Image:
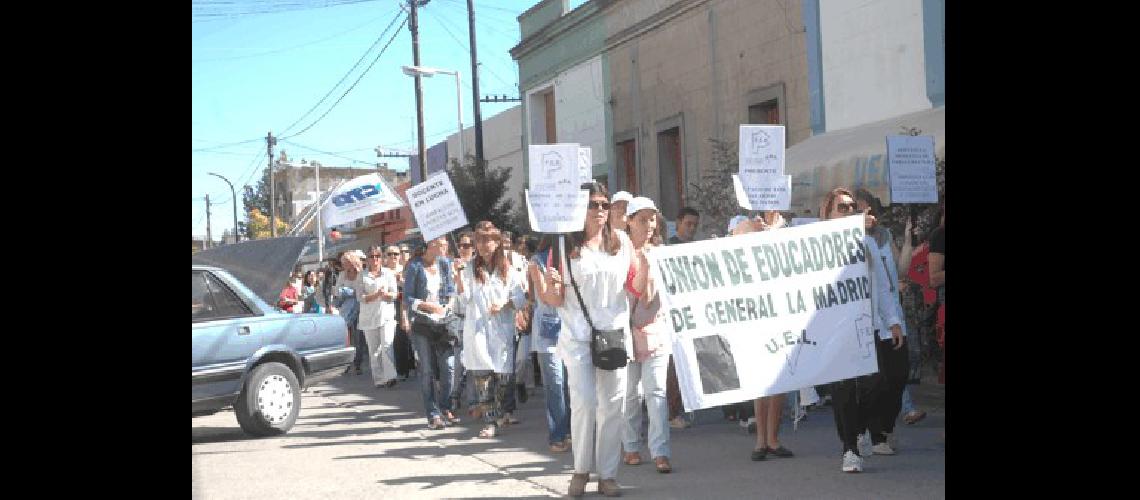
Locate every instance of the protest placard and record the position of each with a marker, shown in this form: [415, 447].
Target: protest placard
[557, 211]
[554, 167]
[761, 151]
[764, 192]
[770, 312]
[436, 206]
[359, 198]
[910, 160]
[585, 164]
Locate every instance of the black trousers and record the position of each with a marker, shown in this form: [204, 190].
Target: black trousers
[894, 368]
[852, 401]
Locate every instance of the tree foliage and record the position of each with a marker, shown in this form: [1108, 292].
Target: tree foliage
[481, 190]
[714, 196]
[258, 225]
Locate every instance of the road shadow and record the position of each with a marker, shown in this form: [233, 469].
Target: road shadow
[204, 435]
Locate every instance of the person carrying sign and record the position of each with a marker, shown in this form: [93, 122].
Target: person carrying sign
[599, 266]
[767, 408]
[854, 400]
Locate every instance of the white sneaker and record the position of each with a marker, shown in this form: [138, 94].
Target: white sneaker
[883, 449]
[852, 462]
[864, 443]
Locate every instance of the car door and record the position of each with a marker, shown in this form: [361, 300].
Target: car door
[226, 332]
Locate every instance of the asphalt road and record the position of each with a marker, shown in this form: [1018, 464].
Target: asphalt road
[354, 441]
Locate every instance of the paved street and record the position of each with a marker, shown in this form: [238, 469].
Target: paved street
[354, 441]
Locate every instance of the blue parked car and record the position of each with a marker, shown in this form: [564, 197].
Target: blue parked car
[248, 355]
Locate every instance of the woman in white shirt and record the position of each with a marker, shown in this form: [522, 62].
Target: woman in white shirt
[600, 259]
[491, 293]
[378, 317]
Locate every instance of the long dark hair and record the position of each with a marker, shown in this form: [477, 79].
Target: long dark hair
[483, 231]
[549, 242]
[610, 240]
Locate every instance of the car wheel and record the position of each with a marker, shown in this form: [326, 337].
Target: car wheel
[270, 401]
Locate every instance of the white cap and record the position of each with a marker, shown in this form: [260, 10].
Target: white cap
[733, 222]
[639, 203]
[621, 196]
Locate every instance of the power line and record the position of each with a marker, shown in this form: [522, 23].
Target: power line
[223, 146]
[465, 47]
[293, 47]
[390, 40]
[203, 15]
[302, 146]
[346, 75]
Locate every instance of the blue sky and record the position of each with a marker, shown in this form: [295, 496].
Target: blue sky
[256, 72]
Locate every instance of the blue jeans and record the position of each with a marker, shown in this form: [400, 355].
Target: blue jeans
[650, 374]
[435, 402]
[907, 403]
[557, 397]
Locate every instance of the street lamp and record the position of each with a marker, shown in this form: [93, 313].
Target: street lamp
[428, 72]
[234, 200]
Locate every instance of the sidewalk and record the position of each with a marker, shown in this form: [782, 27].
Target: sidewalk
[710, 459]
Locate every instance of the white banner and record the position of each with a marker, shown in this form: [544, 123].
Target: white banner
[359, 198]
[554, 167]
[767, 313]
[910, 161]
[436, 206]
[557, 211]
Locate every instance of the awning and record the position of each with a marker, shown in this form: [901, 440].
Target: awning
[855, 157]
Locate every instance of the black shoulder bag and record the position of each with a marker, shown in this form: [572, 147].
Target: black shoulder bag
[607, 347]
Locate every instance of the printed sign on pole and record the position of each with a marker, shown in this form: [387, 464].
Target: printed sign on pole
[764, 193]
[554, 167]
[585, 164]
[436, 206]
[557, 211]
[761, 151]
[769, 312]
[910, 161]
[359, 198]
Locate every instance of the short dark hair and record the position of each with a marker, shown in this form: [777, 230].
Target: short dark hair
[688, 211]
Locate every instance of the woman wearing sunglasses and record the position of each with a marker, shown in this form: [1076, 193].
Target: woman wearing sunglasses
[378, 316]
[600, 263]
[855, 400]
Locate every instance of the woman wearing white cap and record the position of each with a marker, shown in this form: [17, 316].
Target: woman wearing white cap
[619, 202]
[650, 343]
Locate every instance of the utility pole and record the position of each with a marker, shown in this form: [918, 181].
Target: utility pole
[269, 143]
[475, 88]
[414, 26]
[320, 223]
[209, 237]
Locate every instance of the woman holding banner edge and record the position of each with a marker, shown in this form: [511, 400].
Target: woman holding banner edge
[854, 400]
[600, 261]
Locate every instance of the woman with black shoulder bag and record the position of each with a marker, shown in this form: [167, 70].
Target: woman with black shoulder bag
[595, 342]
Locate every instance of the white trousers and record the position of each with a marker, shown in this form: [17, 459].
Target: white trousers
[650, 375]
[381, 356]
[596, 400]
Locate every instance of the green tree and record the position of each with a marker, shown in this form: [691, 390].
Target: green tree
[714, 194]
[480, 190]
[257, 197]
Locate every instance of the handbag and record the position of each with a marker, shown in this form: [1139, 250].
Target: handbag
[607, 347]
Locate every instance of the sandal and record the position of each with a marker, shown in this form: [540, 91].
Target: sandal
[632, 458]
[451, 417]
[560, 447]
[662, 464]
[489, 431]
[914, 416]
[436, 424]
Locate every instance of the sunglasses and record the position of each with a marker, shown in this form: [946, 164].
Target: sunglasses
[466, 245]
[375, 256]
[846, 207]
[393, 254]
[604, 205]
